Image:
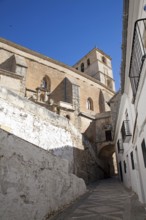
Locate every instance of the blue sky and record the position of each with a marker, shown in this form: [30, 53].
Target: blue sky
[65, 30]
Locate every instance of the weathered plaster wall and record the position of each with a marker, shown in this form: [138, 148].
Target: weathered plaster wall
[47, 130]
[38, 126]
[33, 182]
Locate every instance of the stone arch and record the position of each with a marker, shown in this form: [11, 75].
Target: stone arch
[105, 153]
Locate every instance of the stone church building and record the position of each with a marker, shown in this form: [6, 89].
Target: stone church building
[80, 93]
[37, 93]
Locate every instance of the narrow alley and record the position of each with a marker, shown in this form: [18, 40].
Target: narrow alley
[105, 200]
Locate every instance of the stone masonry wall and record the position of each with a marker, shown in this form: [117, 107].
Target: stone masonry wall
[33, 182]
[39, 66]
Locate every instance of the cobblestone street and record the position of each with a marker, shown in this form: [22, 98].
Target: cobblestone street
[106, 200]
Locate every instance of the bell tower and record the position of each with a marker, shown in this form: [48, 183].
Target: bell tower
[97, 65]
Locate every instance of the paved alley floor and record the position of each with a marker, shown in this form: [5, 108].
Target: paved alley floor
[106, 200]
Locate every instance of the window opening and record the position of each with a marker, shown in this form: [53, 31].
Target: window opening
[88, 62]
[132, 160]
[82, 67]
[89, 104]
[144, 151]
[45, 83]
[108, 135]
[125, 167]
[104, 59]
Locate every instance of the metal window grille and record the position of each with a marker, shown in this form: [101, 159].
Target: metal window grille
[138, 54]
[125, 130]
[120, 146]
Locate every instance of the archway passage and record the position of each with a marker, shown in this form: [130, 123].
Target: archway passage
[106, 153]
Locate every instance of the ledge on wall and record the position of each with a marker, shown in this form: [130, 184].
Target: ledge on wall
[87, 115]
[66, 105]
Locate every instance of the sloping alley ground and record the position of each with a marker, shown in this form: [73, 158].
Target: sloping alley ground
[106, 200]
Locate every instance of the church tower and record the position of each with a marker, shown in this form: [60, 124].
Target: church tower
[97, 65]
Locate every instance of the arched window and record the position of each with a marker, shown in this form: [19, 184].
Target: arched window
[89, 104]
[88, 62]
[46, 83]
[82, 67]
[104, 60]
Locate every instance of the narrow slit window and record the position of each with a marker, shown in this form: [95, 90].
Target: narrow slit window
[88, 62]
[144, 151]
[82, 67]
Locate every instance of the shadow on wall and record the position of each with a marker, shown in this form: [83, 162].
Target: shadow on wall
[9, 64]
[85, 163]
[82, 163]
[63, 92]
[103, 100]
[90, 132]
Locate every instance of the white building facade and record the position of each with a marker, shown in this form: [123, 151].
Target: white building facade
[130, 132]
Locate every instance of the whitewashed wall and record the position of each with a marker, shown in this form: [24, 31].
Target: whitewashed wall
[38, 126]
[33, 182]
[140, 133]
[134, 178]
